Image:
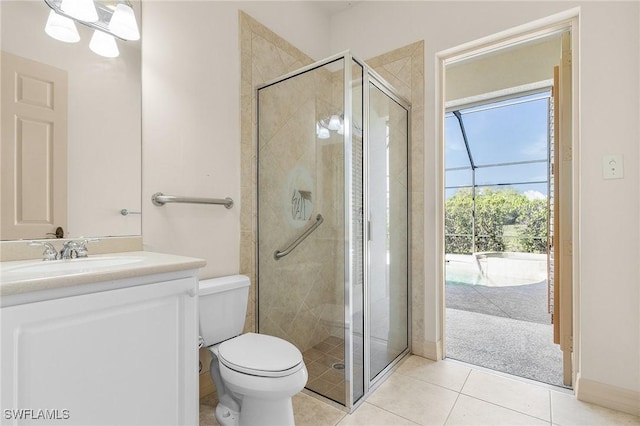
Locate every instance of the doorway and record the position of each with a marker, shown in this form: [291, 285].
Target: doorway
[496, 231]
[501, 204]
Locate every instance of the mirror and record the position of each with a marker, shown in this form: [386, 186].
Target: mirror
[103, 125]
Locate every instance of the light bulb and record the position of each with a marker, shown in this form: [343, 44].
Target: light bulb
[61, 28]
[123, 23]
[323, 133]
[334, 123]
[83, 10]
[104, 45]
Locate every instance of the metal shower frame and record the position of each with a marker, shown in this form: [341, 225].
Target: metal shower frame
[369, 77]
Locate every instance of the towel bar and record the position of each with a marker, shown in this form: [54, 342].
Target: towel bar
[159, 199]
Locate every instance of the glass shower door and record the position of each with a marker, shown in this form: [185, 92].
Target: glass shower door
[302, 221]
[332, 237]
[388, 125]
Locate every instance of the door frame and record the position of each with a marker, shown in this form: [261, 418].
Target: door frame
[514, 36]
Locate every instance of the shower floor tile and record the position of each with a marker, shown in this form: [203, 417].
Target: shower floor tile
[323, 363]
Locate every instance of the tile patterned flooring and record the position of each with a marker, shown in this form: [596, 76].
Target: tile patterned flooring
[424, 392]
[321, 360]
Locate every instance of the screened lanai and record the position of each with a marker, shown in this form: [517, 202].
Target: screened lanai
[496, 226]
[492, 147]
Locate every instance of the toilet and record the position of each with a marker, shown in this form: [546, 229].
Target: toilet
[255, 374]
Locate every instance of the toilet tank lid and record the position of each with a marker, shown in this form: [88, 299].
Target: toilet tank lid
[217, 285]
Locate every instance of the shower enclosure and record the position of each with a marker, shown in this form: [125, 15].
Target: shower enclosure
[333, 223]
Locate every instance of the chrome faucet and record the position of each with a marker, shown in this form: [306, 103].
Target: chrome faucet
[50, 252]
[73, 249]
[70, 249]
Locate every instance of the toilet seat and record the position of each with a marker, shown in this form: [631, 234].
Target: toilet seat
[260, 355]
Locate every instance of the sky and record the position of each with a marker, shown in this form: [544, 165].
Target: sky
[508, 132]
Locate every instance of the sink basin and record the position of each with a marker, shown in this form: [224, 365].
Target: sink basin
[66, 267]
[35, 280]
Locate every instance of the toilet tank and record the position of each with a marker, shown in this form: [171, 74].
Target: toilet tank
[223, 306]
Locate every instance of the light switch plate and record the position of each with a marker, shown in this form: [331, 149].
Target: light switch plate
[612, 167]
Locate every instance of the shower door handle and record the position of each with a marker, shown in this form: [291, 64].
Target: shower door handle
[280, 254]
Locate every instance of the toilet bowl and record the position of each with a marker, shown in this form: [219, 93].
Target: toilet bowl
[255, 374]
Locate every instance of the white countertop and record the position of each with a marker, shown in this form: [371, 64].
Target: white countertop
[26, 276]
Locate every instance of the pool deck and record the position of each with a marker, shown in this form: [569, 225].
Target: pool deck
[507, 329]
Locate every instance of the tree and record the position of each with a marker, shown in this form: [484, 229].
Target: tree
[535, 226]
[458, 222]
[495, 209]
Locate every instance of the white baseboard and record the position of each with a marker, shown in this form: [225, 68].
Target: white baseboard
[608, 396]
[432, 350]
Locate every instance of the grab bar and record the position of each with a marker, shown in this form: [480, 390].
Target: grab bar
[159, 199]
[277, 255]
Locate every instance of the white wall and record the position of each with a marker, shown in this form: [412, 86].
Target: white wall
[609, 211]
[191, 118]
[499, 73]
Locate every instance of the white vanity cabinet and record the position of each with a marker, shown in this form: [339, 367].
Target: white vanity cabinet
[123, 356]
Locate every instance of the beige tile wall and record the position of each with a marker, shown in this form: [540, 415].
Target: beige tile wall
[298, 291]
[266, 56]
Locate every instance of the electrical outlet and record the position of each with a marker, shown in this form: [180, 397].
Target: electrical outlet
[612, 167]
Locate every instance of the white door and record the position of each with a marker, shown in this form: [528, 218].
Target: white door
[561, 242]
[34, 148]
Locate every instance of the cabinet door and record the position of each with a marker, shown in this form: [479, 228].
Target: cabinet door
[118, 357]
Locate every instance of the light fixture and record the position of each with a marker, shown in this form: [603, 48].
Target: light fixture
[110, 18]
[334, 123]
[61, 28]
[82, 10]
[123, 23]
[104, 44]
[322, 132]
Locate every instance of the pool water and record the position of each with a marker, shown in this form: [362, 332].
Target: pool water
[498, 272]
